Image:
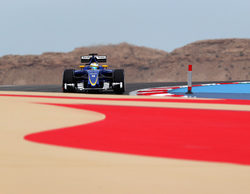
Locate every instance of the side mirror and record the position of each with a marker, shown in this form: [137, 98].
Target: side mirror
[82, 66]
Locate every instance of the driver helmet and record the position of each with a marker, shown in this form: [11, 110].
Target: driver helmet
[94, 65]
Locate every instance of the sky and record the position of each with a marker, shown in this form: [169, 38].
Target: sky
[37, 26]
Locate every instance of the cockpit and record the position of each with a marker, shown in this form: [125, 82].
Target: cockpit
[94, 65]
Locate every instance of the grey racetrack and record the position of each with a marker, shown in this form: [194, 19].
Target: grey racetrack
[129, 88]
[58, 88]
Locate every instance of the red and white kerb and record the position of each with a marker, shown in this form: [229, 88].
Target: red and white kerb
[166, 91]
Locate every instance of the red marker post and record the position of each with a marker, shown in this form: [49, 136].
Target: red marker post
[189, 80]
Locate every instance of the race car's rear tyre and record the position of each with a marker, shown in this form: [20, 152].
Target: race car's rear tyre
[68, 78]
[119, 78]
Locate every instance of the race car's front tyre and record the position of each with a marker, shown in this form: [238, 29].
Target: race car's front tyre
[68, 80]
[119, 87]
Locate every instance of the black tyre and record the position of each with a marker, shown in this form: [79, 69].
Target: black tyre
[118, 78]
[68, 78]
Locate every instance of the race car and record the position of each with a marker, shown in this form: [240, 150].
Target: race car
[92, 76]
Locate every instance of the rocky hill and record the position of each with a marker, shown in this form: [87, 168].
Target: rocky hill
[212, 60]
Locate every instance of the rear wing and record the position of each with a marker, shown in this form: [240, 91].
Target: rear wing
[93, 58]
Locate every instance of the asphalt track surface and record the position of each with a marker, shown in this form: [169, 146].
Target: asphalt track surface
[57, 88]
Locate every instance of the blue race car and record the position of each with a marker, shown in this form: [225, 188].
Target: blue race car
[93, 77]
